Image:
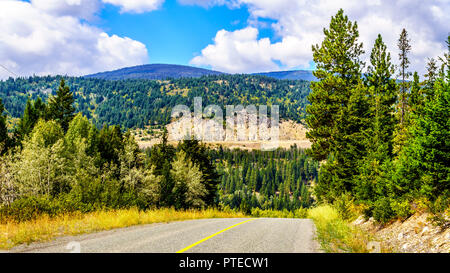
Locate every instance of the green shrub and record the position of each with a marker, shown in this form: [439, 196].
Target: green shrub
[438, 211]
[299, 213]
[382, 211]
[343, 205]
[402, 208]
[28, 208]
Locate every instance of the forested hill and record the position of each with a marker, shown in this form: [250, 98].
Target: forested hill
[171, 71]
[136, 103]
[154, 72]
[306, 75]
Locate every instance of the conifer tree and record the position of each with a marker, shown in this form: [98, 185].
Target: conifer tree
[4, 137]
[404, 47]
[383, 95]
[338, 70]
[338, 113]
[60, 107]
[379, 135]
[32, 113]
[424, 166]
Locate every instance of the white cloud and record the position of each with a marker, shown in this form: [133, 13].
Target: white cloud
[136, 6]
[240, 51]
[299, 24]
[84, 9]
[35, 41]
[209, 3]
[248, 52]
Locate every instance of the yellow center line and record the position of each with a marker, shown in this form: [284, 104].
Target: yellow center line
[209, 237]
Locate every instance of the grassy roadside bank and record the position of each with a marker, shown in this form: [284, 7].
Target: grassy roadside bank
[337, 235]
[333, 233]
[45, 228]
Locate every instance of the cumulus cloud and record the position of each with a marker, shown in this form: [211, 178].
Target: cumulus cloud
[136, 6]
[84, 9]
[249, 53]
[299, 24]
[36, 40]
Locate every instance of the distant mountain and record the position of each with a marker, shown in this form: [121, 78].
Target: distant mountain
[290, 75]
[154, 72]
[165, 71]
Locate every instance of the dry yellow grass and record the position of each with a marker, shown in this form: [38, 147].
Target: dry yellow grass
[335, 234]
[45, 228]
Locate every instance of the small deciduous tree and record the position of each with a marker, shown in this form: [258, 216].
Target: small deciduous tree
[189, 191]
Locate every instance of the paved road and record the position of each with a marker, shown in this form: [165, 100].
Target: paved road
[238, 235]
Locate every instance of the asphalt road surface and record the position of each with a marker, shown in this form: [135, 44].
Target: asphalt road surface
[225, 235]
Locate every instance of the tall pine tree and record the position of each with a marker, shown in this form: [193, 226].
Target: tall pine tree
[379, 136]
[60, 107]
[338, 110]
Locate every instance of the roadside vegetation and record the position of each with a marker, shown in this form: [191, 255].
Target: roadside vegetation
[45, 227]
[382, 143]
[336, 234]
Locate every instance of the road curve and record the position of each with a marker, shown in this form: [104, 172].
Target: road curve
[223, 235]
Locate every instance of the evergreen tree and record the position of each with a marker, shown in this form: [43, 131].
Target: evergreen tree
[338, 112]
[430, 76]
[383, 96]
[404, 47]
[379, 136]
[424, 166]
[60, 107]
[338, 70]
[4, 137]
[161, 159]
[32, 113]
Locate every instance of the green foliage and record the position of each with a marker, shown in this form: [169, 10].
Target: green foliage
[298, 213]
[338, 114]
[439, 208]
[343, 205]
[137, 103]
[269, 180]
[381, 159]
[29, 207]
[198, 154]
[189, 188]
[382, 210]
[34, 110]
[5, 141]
[60, 107]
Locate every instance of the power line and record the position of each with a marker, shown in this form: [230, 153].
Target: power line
[4, 67]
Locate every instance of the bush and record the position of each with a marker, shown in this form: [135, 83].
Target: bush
[402, 208]
[336, 234]
[30, 207]
[299, 213]
[382, 211]
[344, 206]
[439, 209]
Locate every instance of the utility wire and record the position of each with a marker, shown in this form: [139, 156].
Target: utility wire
[4, 67]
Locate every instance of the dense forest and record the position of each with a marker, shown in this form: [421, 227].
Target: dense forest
[268, 180]
[57, 161]
[137, 103]
[384, 143]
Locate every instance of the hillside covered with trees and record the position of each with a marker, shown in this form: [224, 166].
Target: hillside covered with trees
[137, 103]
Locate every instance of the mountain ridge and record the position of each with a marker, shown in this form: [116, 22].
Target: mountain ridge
[175, 71]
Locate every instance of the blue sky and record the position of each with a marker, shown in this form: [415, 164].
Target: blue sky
[79, 37]
[174, 33]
